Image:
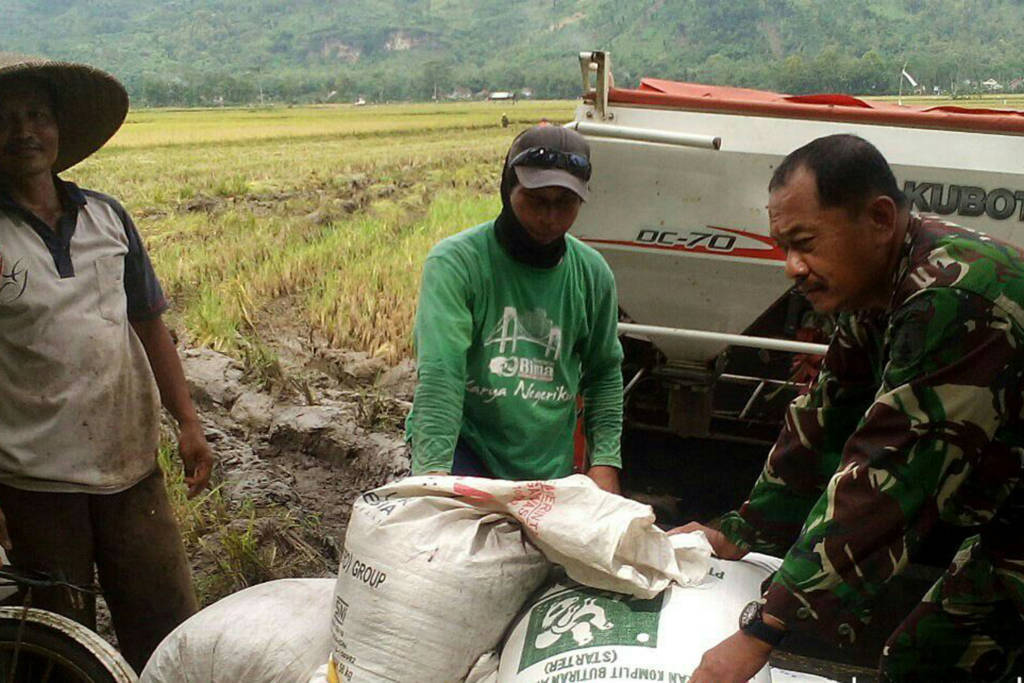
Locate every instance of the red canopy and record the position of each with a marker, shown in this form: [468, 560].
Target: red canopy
[655, 92]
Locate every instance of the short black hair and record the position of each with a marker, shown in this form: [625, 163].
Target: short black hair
[848, 171]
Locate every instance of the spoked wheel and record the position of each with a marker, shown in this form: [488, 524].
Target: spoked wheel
[44, 647]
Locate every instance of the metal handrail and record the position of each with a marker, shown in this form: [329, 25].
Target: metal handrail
[632, 133]
[769, 343]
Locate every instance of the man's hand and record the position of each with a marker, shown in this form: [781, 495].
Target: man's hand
[196, 456]
[606, 477]
[720, 545]
[736, 659]
[195, 453]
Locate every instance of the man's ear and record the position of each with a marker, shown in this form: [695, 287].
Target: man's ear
[883, 214]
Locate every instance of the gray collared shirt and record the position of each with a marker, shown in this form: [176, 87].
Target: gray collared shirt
[80, 409]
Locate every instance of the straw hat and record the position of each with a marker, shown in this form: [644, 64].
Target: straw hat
[91, 104]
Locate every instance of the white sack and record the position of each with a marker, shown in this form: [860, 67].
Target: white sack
[320, 675]
[787, 676]
[577, 633]
[601, 539]
[435, 568]
[276, 632]
[426, 585]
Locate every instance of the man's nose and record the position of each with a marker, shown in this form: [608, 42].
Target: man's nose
[18, 125]
[551, 216]
[795, 266]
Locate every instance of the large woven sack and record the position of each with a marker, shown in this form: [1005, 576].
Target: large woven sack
[435, 568]
[577, 633]
[275, 632]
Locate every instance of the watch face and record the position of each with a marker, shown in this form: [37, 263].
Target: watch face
[750, 613]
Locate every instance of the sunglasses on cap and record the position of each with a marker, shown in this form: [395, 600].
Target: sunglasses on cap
[543, 157]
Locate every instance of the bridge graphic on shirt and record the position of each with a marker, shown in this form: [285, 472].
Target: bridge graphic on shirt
[533, 327]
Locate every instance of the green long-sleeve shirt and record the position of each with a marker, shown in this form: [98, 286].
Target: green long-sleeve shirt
[916, 416]
[504, 348]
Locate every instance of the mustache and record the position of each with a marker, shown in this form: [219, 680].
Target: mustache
[803, 286]
[17, 145]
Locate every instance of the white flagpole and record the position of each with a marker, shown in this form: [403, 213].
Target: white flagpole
[899, 98]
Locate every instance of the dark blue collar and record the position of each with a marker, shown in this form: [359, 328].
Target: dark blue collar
[69, 193]
[58, 243]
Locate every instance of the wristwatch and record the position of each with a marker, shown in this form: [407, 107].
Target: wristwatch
[752, 624]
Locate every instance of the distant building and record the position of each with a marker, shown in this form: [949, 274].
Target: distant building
[460, 93]
[992, 85]
[502, 96]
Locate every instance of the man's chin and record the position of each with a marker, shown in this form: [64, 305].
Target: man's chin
[14, 169]
[546, 238]
[820, 301]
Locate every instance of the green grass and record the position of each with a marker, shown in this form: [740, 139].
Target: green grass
[224, 126]
[233, 545]
[1013, 101]
[322, 214]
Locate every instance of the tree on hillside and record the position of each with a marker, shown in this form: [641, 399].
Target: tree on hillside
[189, 52]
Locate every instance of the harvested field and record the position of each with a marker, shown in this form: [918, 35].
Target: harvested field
[329, 208]
[289, 242]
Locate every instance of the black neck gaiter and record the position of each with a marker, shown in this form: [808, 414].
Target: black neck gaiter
[514, 239]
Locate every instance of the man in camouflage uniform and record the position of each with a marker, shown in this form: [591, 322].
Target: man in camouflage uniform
[916, 417]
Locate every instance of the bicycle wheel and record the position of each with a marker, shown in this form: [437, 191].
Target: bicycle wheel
[49, 648]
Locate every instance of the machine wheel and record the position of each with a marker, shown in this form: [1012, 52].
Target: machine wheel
[47, 648]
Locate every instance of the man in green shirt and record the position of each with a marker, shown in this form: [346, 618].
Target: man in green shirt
[516, 319]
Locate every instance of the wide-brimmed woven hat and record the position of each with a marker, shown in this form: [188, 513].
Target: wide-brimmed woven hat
[91, 104]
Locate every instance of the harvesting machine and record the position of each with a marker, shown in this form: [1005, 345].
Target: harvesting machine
[713, 332]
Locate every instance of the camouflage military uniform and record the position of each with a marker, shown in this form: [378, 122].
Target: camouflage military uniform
[915, 417]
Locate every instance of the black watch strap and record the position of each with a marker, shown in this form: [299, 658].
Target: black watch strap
[752, 624]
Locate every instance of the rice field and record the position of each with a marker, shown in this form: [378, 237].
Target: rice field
[1013, 101]
[314, 218]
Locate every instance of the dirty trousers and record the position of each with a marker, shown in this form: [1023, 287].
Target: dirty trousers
[134, 542]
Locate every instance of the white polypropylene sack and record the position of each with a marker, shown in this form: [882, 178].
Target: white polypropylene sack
[435, 568]
[787, 676]
[425, 586]
[276, 632]
[577, 633]
[320, 675]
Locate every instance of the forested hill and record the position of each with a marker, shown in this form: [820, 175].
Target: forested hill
[206, 51]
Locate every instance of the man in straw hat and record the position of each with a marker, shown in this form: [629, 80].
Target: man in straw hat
[85, 361]
[515, 319]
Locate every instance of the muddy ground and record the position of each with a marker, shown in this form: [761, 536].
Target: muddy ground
[300, 441]
[303, 442]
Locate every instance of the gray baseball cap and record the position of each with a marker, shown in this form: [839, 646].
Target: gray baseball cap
[551, 156]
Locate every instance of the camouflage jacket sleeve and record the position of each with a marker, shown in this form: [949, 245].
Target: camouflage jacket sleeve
[924, 450]
[807, 452]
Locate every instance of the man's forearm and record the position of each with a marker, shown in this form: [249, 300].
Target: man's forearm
[167, 370]
[436, 417]
[602, 416]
